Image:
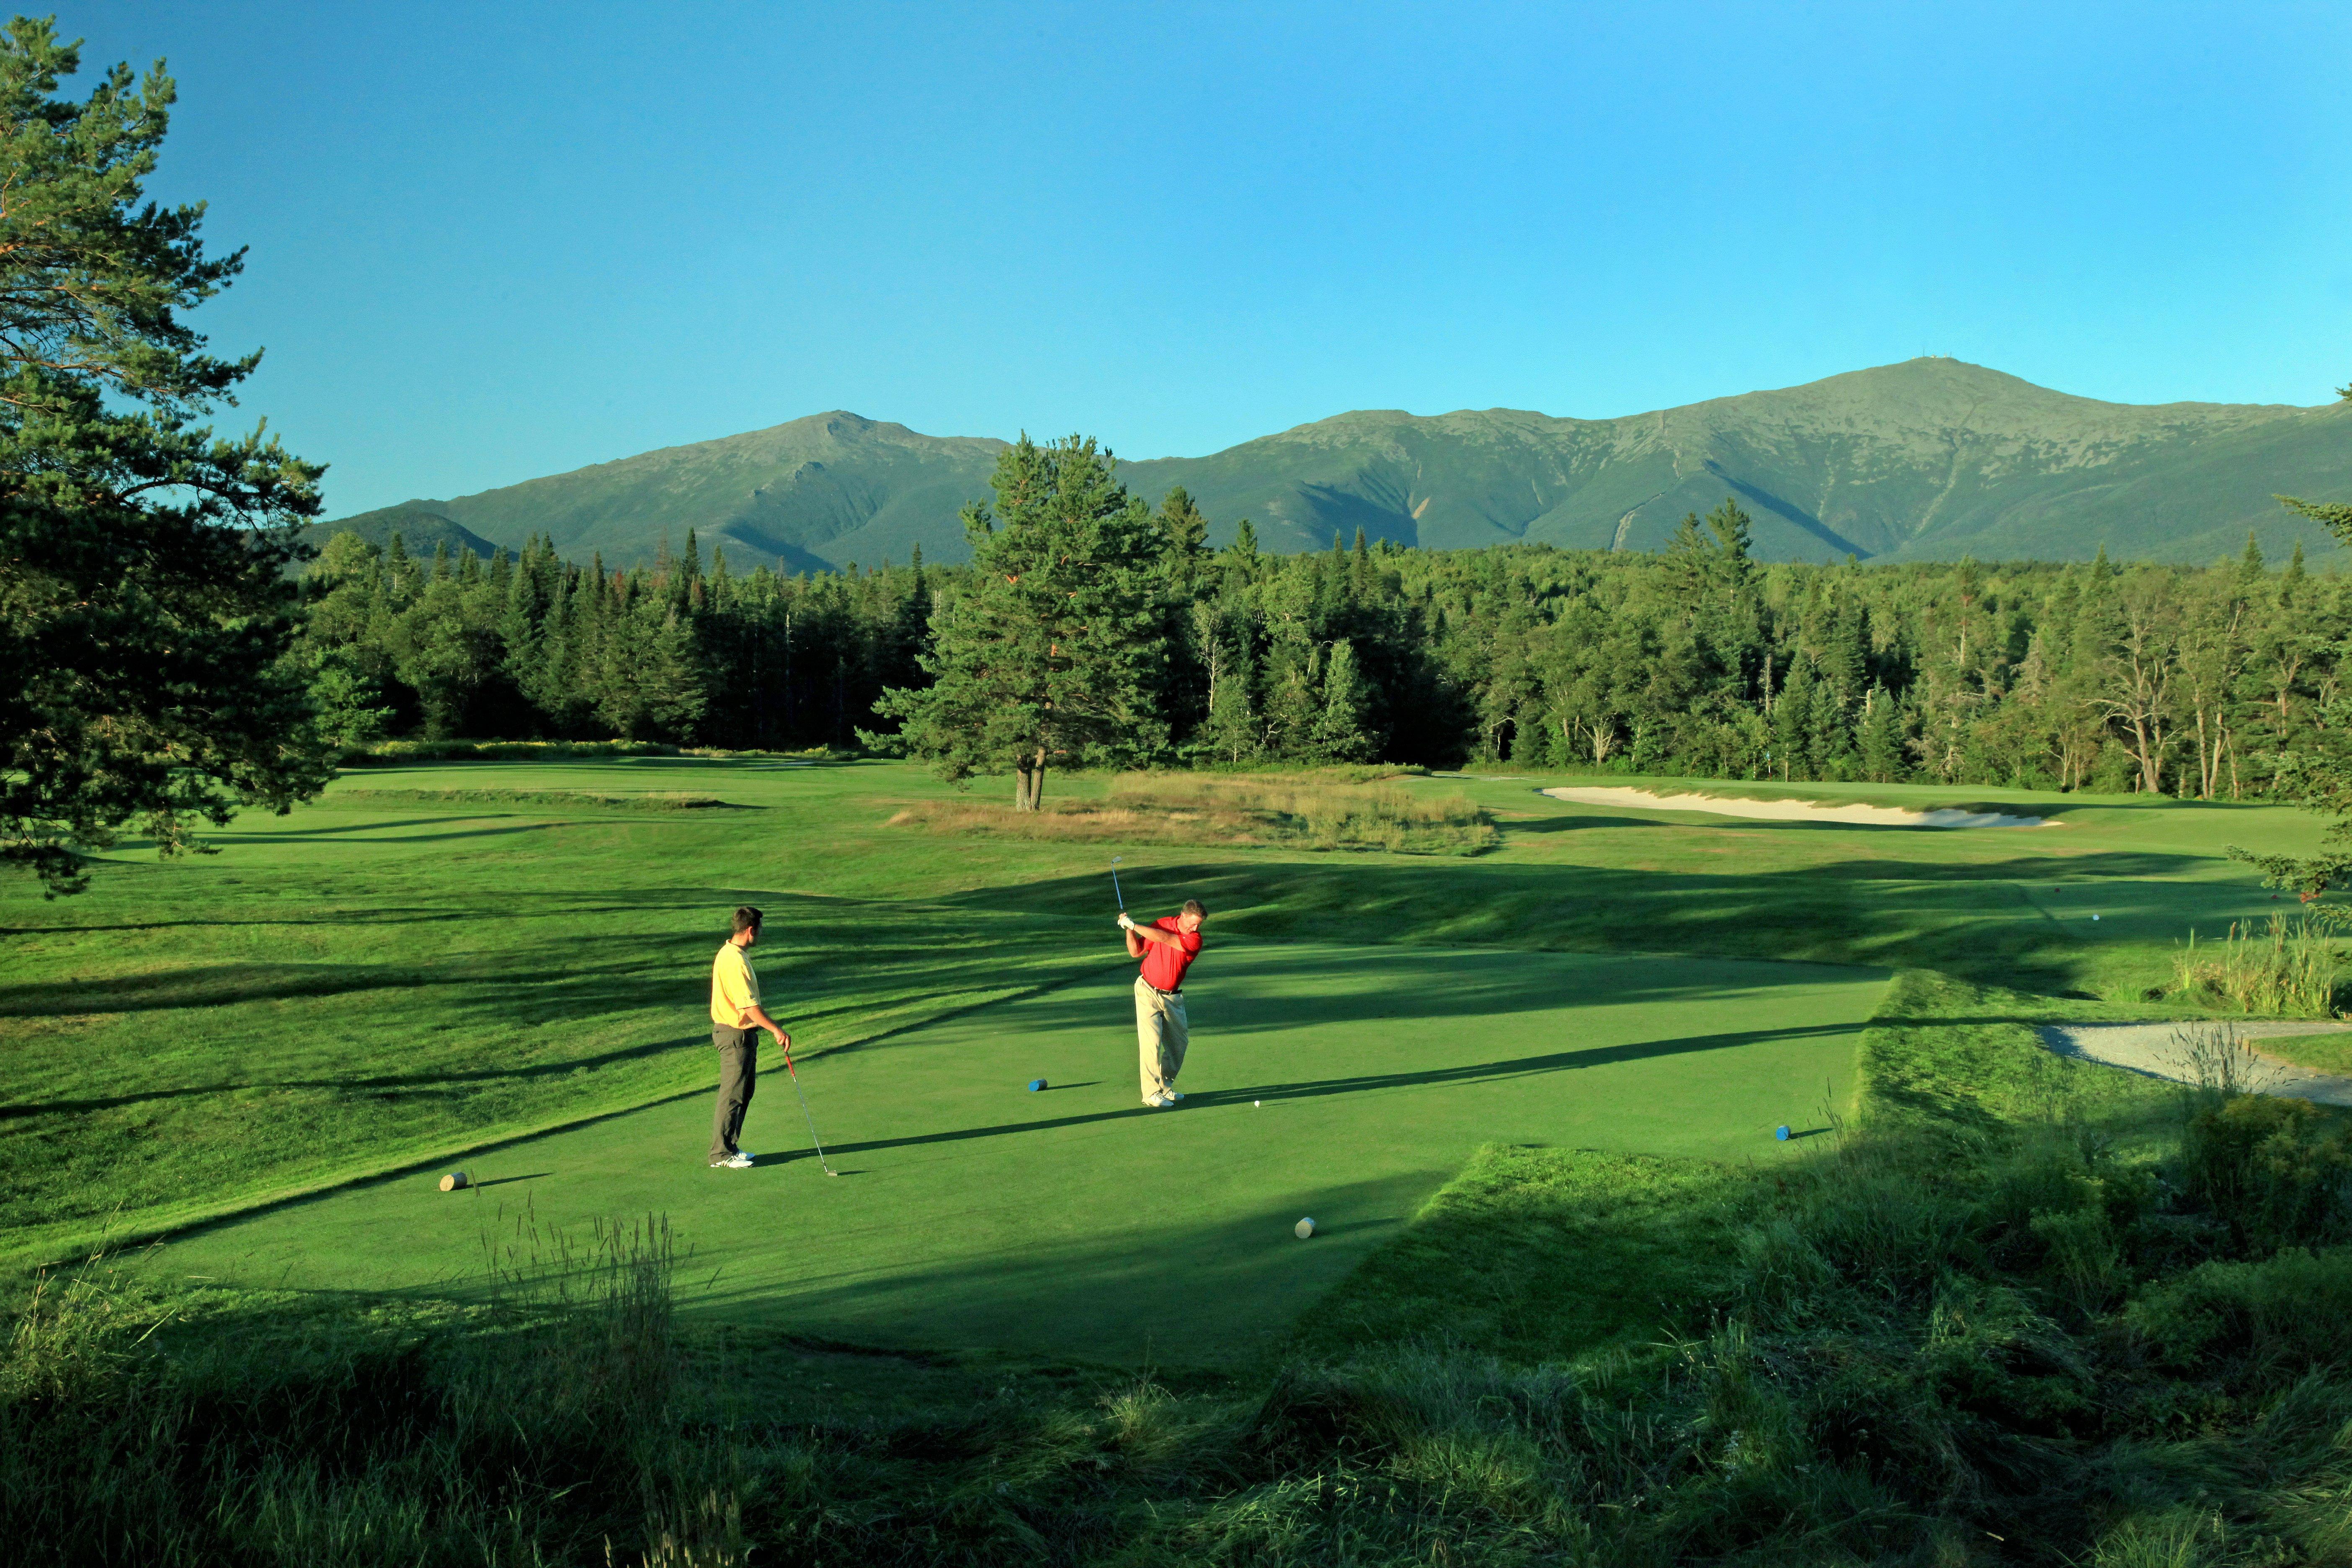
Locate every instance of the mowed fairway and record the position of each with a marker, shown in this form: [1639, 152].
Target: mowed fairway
[1344, 1082]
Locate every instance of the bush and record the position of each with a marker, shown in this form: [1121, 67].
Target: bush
[2290, 1309]
[2279, 1170]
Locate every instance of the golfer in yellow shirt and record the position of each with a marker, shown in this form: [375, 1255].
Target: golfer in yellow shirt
[736, 1020]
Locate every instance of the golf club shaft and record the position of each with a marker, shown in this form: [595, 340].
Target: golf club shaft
[803, 1095]
[1114, 888]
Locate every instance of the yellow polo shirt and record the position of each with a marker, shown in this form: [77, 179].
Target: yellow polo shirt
[734, 988]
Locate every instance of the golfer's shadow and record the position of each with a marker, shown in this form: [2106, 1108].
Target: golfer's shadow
[1432, 1077]
[805, 1157]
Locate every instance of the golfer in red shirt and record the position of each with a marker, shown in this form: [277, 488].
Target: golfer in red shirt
[1167, 948]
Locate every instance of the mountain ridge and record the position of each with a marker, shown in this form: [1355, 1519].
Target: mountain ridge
[1925, 459]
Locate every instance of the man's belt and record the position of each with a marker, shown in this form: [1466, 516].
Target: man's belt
[1157, 992]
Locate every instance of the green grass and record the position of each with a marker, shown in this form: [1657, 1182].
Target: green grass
[2320, 1053]
[1534, 1254]
[1341, 1083]
[365, 984]
[1570, 1301]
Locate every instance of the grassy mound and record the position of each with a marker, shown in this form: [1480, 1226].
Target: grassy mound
[651, 800]
[1233, 810]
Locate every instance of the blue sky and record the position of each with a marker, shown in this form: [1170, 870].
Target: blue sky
[494, 242]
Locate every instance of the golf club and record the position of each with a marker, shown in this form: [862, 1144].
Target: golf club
[795, 1076]
[1114, 884]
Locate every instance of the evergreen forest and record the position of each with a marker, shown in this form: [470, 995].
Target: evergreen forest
[1697, 660]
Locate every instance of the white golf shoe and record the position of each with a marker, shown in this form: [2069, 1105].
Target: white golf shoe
[739, 1160]
[1158, 1101]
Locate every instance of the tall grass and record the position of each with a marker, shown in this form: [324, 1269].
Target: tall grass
[545, 1432]
[2013, 1349]
[1293, 811]
[2282, 968]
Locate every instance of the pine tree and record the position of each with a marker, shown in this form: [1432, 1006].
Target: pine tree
[1794, 723]
[1230, 731]
[1053, 650]
[1883, 756]
[1338, 733]
[146, 613]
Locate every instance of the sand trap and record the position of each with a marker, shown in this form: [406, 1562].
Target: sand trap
[1797, 810]
[2155, 1049]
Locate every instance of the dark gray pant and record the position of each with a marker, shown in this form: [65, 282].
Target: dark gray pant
[739, 1074]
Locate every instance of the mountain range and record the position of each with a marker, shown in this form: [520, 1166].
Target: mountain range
[1930, 459]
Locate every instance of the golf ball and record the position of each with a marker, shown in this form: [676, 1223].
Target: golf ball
[1303, 1229]
[1254, 1103]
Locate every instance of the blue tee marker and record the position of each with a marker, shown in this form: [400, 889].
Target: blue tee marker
[1782, 1134]
[1035, 1083]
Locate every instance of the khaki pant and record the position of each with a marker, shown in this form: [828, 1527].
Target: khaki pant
[1160, 1036]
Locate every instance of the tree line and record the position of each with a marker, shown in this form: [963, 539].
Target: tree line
[160, 667]
[1094, 630]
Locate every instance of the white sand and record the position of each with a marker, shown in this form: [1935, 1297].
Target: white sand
[1796, 810]
[2153, 1049]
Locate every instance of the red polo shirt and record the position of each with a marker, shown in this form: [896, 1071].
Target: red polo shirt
[1164, 966]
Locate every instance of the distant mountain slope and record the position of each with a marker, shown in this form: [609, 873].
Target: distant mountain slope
[817, 492]
[420, 529]
[1930, 459]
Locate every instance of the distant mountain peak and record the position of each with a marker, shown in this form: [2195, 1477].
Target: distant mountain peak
[1928, 458]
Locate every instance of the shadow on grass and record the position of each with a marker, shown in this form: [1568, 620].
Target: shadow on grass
[383, 1086]
[1366, 1083]
[1966, 917]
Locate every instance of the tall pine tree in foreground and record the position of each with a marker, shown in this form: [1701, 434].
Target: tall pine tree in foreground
[145, 613]
[1053, 651]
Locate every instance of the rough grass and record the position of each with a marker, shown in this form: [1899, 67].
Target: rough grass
[1535, 1254]
[2282, 968]
[1236, 810]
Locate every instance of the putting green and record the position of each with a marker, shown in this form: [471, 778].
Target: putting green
[1342, 1082]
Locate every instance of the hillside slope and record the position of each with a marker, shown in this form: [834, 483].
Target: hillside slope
[816, 493]
[1930, 459]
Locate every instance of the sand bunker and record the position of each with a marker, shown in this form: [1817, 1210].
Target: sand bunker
[2158, 1050]
[1797, 810]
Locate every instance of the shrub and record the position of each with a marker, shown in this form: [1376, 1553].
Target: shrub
[2290, 1308]
[2279, 1170]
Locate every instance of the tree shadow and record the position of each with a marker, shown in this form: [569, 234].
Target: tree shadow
[1540, 1065]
